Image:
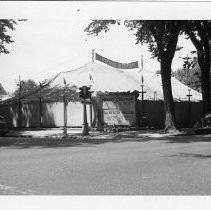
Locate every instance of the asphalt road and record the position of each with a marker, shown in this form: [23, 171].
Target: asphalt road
[166, 166]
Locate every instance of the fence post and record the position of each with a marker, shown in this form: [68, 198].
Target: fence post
[65, 117]
[155, 95]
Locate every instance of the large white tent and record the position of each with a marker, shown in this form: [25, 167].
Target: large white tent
[105, 78]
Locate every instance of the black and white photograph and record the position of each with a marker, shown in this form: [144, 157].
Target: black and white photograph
[105, 98]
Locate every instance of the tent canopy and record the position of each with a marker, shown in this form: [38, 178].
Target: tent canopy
[104, 78]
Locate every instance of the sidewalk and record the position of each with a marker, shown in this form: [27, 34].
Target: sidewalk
[44, 133]
[55, 138]
[75, 133]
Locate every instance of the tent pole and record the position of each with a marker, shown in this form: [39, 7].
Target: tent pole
[93, 55]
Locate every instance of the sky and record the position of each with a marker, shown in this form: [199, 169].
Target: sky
[53, 40]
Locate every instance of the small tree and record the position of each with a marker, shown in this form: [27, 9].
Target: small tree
[25, 86]
[2, 90]
[190, 74]
[191, 78]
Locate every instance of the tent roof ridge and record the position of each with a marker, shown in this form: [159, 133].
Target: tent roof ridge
[64, 72]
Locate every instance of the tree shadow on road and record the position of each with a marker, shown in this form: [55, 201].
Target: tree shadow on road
[200, 156]
[188, 138]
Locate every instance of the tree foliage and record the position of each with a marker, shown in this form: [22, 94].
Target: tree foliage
[199, 31]
[5, 26]
[191, 78]
[25, 86]
[160, 35]
[190, 74]
[97, 26]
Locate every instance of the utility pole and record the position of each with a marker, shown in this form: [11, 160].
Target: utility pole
[142, 99]
[142, 59]
[65, 110]
[93, 55]
[142, 62]
[189, 107]
[186, 67]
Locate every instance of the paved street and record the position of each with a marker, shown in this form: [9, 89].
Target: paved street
[131, 166]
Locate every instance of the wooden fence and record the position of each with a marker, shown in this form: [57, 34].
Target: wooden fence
[52, 114]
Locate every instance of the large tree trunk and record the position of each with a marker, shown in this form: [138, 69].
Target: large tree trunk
[166, 47]
[170, 122]
[204, 63]
[203, 52]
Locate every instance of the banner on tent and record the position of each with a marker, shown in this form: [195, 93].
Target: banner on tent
[115, 64]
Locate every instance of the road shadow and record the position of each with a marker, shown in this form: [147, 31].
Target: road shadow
[200, 156]
[23, 143]
[188, 138]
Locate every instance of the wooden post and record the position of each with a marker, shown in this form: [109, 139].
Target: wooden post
[65, 117]
[65, 110]
[19, 105]
[142, 101]
[189, 107]
[40, 105]
[142, 97]
[155, 95]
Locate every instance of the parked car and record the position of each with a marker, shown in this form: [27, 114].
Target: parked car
[3, 126]
[203, 126]
[204, 122]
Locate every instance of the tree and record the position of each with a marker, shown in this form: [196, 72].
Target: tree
[25, 86]
[161, 37]
[199, 31]
[5, 25]
[2, 90]
[190, 74]
[190, 77]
